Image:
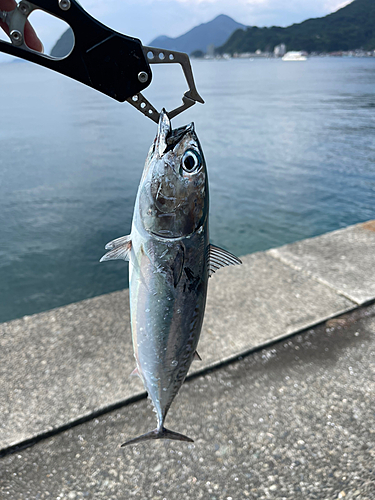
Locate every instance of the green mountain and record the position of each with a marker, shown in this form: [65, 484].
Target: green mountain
[350, 28]
[215, 32]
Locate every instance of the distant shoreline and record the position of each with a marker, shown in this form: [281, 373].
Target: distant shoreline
[271, 55]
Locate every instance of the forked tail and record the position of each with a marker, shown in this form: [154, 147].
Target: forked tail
[161, 433]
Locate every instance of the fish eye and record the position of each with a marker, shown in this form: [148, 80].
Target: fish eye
[191, 161]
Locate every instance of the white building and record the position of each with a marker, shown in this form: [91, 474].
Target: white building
[280, 50]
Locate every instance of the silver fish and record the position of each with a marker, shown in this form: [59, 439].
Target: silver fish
[170, 263]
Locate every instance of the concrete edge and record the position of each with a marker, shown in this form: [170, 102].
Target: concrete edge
[273, 252]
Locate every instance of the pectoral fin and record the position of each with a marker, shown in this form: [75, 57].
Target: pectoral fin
[217, 258]
[118, 242]
[178, 265]
[120, 249]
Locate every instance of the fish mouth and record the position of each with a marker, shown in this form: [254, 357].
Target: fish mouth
[164, 129]
[166, 138]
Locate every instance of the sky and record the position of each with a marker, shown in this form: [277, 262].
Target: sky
[147, 19]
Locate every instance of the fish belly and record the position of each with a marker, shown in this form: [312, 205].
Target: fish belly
[168, 289]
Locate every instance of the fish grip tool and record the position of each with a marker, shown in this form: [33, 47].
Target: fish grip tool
[190, 97]
[112, 63]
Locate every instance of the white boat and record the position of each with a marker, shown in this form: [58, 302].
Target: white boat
[294, 56]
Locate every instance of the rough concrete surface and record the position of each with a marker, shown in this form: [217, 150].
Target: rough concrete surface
[62, 364]
[66, 363]
[293, 421]
[259, 301]
[344, 260]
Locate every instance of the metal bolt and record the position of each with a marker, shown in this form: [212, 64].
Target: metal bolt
[142, 76]
[64, 4]
[24, 7]
[16, 37]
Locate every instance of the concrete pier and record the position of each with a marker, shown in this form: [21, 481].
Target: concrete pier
[74, 362]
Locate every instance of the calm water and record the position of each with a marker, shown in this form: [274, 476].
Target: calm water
[290, 149]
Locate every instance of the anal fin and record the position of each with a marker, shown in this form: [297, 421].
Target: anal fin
[197, 357]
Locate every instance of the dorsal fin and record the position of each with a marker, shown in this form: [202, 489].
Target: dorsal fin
[218, 257]
[120, 249]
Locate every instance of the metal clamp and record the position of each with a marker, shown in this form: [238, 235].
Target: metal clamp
[100, 58]
[16, 20]
[114, 64]
[190, 97]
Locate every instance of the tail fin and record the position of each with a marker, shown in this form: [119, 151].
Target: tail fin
[161, 433]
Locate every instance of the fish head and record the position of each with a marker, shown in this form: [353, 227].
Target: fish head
[173, 194]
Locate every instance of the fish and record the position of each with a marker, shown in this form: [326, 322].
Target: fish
[170, 260]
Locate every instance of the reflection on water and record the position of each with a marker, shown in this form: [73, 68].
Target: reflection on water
[290, 150]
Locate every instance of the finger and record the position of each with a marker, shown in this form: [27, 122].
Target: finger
[31, 38]
[8, 5]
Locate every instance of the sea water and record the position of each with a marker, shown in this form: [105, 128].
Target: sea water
[290, 150]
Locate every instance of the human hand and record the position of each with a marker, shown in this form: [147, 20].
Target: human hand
[31, 38]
